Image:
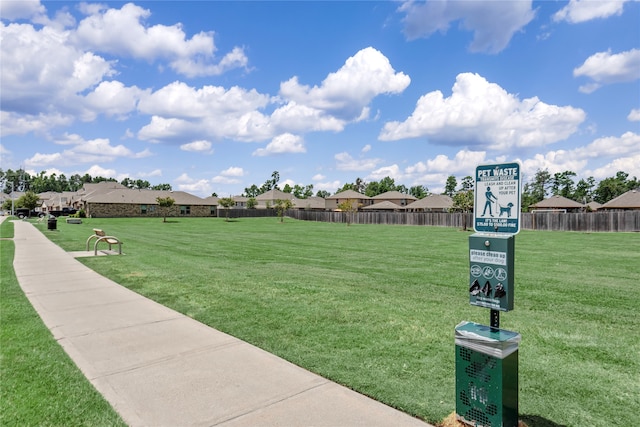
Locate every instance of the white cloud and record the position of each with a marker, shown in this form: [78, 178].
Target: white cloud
[23, 9]
[619, 151]
[122, 32]
[233, 171]
[585, 10]
[97, 170]
[285, 143]
[344, 93]
[330, 186]
[347, 163]
[493, 23]
[181, 111]
[84, 151]
[366, 148]
[201, 146]
[392, 171]
[604, 68]
[318, 177]
[634, 115]
[479, 112]
[113, 98]
[12, 123]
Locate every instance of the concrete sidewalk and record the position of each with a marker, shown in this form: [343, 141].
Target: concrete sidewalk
[159, 368]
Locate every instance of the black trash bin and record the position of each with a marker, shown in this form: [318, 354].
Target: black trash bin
[52, 223]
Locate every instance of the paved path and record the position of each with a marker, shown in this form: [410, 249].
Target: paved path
[159, 368]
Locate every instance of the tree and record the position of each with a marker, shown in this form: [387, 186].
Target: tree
[227, 203]
[450, 186]
[584, 190]
[612, 187]
[281, 206]
[562, 184]
[288, 189]
[28, 200]
[467, 183]
[536, 190]
[165, 203]
[349, 207]
[463, 202]
[252, 203]
[252, 191]
[323, 193]
[419, 191]
[163, 187]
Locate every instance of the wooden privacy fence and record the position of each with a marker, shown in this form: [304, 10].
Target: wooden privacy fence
[555, 221]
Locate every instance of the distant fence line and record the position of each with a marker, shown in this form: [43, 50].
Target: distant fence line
[610, 221]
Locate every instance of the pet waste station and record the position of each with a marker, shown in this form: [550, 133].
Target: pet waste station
[486, 356]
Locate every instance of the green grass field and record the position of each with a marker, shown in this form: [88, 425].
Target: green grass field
[375, 307]
[39, 384]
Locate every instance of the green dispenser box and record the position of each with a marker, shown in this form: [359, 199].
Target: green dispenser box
[486, 375]
[491, 259]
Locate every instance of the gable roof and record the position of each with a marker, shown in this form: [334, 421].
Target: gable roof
[386, 205]
[628, 200]
[394, 195]
[557, 202]
[313, 202]
[275, 194]
[146, 197]
[348, 194]
[433, 201]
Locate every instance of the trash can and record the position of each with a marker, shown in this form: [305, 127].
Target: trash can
[486, 375]
[52, 223]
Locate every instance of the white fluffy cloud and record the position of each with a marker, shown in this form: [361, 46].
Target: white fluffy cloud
[285, 143]
[634, 115]
[606, 68]
[343, 96]
[620, 152]
[83, 151]
[480, 112]
[493, 22]
[585, 10]
[122, 32]
[347, 163]
[346, 92]
[201, 146]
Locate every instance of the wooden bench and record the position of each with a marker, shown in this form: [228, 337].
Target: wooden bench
[101, 236]
[74, 221]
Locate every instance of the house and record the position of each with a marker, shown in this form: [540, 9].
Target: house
[396, 197]
[359, 200]
[269, 198]
[310, 203]
[142, 203]
[557, 203]
[593, 206]
[627, 201]
[431, 203]
[385, 205]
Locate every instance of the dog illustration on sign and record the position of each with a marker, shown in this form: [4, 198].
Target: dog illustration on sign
[506, 209]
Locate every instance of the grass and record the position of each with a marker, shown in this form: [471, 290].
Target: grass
[374, 307]
[40, 385]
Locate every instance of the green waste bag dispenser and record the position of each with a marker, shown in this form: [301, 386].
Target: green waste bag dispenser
[491, 259]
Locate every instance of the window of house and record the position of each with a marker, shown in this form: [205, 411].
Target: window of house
[143, 209]
[185, 210]
[213, 211]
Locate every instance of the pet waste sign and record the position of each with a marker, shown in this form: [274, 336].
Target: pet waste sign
[496, 207]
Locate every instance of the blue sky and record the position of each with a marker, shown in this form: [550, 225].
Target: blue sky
[215, 96]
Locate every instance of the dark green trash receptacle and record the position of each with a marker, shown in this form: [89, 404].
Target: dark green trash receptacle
[486, 375]
[52, 223]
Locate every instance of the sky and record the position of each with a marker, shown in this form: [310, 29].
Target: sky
[213, 96]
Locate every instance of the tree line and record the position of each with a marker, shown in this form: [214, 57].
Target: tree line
[541, 186]
[22, 181]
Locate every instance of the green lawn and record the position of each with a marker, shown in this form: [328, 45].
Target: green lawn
[39, 384]
[375, 307]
